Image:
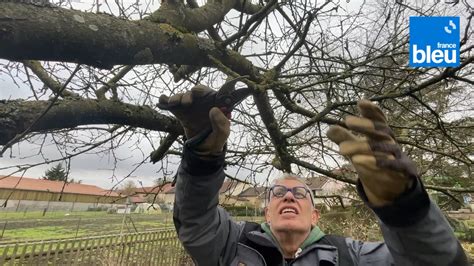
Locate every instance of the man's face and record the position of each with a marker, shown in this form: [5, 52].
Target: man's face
[289, 213]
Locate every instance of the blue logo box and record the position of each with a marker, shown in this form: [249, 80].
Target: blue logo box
[434, 41]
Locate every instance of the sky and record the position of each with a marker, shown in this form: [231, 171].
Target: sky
[89, 168]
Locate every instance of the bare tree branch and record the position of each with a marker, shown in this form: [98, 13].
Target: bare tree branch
[17, 116]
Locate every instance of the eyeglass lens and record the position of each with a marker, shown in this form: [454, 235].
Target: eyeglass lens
[298, 192]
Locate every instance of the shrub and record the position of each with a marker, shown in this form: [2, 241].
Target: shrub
[242, 210]
[357, 222]
[111, 210]
[97, 209]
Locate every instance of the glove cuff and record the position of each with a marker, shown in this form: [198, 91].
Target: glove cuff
[409, 208]
[200, 165]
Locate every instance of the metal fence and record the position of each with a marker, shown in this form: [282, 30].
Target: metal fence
[159, 247]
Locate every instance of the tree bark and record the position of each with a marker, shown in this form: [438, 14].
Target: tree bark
[197, 19]
[16, 116]
[29, 32]
[271, 124]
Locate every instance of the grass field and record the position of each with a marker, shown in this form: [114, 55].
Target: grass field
[35, 226]
[48, 215]
[19, 226]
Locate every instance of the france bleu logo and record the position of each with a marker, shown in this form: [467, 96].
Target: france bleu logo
[434, 41]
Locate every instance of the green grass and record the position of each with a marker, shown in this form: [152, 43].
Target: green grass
[44, 232]
[57, 226]
[470, 223]
[5, 216]
[153, 224]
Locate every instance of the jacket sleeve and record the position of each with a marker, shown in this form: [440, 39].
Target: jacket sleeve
[415, 233]
[205, 230]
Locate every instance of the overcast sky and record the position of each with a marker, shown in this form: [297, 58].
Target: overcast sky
[90, 168]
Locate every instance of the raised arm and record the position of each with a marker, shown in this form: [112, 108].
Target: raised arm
[206, 231]
[414, 229]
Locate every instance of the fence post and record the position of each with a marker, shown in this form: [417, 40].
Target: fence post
[77, 227]
[18, 205]
[4, 226]
[13, 255]
[4, 255]
[31, 255]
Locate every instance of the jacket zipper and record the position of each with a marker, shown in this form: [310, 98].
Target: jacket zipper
[260, 255]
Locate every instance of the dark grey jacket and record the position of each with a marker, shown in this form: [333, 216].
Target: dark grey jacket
[415, 231]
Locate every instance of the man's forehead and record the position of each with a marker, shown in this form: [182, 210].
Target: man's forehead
[290, 183]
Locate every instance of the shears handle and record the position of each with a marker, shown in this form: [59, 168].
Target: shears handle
[199, 138]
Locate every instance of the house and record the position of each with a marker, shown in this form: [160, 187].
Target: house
[160, 194]
[147, 194]
[326, 190]
[136, 199]
[158, 191]
[23, 193]
[254, 197]
[230, 191]
[168, 199]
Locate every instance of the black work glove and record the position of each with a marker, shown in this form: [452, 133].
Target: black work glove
[384, 170]
[195, 112]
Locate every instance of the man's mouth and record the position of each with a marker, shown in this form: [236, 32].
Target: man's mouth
[288, 210]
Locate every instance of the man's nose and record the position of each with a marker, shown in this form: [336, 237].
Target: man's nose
[289, 196]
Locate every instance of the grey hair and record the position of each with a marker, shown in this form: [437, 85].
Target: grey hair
[289, 176]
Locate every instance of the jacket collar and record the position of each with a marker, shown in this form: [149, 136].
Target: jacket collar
[314, 236]
[264, 238]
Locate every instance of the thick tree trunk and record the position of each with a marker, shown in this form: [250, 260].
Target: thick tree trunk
[29, 32]
[17, 116]
[56, 34]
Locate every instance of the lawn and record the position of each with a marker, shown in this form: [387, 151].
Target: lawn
[43, 232]
[5, 216]
[16, 227]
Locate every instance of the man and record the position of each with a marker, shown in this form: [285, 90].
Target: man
[415, 231]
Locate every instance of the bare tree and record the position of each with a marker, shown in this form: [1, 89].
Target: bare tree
[308, 62]
[128, 188]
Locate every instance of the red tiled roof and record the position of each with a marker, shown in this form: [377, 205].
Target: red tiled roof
[25, 183]
[137, 199]
[316, 182]
[228, 186]
[253, 192]
[172, 190]
[154, 189]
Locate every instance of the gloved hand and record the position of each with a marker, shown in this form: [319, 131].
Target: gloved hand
[384, 170]
[196, 114]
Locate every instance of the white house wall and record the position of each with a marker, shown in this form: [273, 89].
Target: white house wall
[30, 205]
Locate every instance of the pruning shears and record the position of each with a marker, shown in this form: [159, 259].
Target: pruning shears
[226, 99]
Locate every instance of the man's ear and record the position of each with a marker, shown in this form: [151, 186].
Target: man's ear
[267, 215]
[314, 217]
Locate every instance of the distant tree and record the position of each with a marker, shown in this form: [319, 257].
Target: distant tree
[59, 173]
[128, 188]
[56, 173]
[75, 181]
[159, 181]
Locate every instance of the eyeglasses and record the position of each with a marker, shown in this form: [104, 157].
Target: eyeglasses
[280, 191]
